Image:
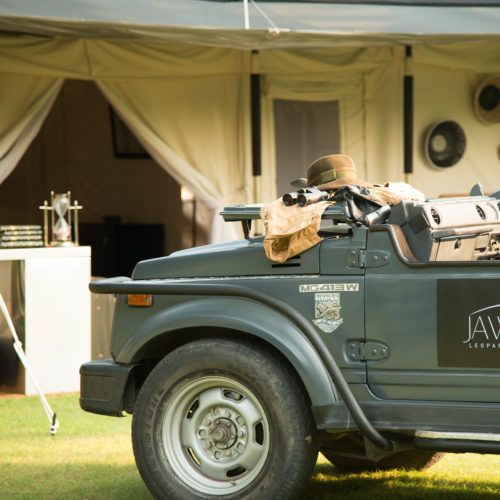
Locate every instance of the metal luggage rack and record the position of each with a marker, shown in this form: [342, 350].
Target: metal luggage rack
[247, 213]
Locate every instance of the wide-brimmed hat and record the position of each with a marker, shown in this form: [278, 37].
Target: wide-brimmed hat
[331, 172]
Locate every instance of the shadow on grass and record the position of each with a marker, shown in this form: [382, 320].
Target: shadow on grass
[95, 481]
[328, 483]
[70, 481]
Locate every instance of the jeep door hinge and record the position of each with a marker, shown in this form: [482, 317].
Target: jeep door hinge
[366, 351]
[367, 258]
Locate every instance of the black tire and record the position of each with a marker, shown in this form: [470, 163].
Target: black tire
[221, 418]
[353, 444]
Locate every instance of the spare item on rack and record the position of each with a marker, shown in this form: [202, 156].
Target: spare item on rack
[21, 236]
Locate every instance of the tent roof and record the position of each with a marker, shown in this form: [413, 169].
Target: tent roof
[279, 24]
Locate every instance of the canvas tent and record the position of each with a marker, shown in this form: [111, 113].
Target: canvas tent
[179, 73]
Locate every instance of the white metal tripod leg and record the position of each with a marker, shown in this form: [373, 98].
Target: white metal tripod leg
[18, 347]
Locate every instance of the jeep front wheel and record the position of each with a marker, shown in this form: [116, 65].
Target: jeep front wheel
[220, 418]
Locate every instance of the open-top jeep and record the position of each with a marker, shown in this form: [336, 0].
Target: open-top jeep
[379, 346]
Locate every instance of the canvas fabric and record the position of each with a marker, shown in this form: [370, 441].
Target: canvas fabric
[290, 230]
[394, 192]
[25, 102]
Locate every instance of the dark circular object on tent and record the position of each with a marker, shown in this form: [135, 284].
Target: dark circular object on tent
[444, 144]
[487, 100]
[489, 97]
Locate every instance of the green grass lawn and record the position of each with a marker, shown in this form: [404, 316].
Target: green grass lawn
[91, 457]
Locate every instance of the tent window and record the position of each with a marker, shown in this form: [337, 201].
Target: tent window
[304, 131]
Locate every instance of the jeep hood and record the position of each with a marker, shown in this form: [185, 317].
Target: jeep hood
[236, 258]
[210, 260]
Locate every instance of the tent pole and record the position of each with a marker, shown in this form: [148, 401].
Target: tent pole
[247, 17]
[256, 127]
[408, 115]
[255, 118]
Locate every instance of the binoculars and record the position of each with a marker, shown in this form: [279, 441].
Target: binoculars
[304, 197]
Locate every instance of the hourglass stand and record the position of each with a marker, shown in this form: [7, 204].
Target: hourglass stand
[64, 232]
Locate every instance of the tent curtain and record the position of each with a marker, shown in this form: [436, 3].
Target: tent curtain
[25, 102]
[188, 105]
[196, 129]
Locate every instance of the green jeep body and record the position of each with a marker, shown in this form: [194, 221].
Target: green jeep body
[392, 332]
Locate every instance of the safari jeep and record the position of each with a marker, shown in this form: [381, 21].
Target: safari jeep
[379, 346]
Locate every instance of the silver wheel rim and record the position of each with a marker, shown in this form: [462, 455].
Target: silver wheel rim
[215, 435]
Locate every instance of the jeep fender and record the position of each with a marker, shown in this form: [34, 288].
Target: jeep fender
[239, 315]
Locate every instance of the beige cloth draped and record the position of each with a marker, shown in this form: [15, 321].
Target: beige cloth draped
[25, 102]
[291, 230]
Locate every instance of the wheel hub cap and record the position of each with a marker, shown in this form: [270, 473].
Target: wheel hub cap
[222, 433]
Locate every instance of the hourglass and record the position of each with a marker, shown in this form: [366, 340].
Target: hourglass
[61, 228]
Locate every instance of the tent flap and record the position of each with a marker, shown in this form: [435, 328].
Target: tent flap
[202, 144]
[25, 102]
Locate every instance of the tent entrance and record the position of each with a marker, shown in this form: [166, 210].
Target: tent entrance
[132, 208]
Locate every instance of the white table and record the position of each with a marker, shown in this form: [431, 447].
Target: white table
[57, 336]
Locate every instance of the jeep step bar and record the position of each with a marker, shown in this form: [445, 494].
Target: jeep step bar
[123, 285]
[469, 442]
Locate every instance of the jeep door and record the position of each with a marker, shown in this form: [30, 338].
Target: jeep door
[333, 301]
[440, 325]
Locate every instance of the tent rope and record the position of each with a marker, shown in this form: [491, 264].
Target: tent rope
[272, 25]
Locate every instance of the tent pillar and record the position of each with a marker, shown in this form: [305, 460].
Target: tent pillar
[256, 127]
[408, 114]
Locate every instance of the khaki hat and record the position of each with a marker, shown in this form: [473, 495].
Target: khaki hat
[332, 172]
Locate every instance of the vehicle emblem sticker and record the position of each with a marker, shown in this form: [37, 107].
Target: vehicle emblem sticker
[327, 311]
